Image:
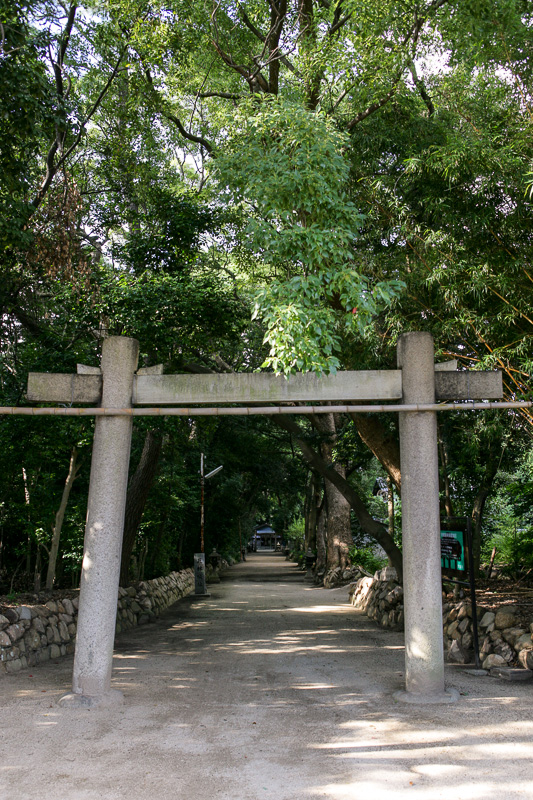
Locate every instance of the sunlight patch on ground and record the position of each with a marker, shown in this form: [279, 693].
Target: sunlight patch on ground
[395, 742]
[312, 686]
[390, 733]
[497, 731]
[407, 784]
[437, 770]
[342, 609]
[182, 625]
[524, 724]
[21, 693]
[297, 635]
[375, 749]
[514, 750]
[250, 649]
[143, 654]
[501, 701]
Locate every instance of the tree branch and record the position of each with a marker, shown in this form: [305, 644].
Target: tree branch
[250, 25]
[187, 134]
[65, 38]
[51, 168]
[381, 443]
[373, 107]
[419, 84]
[253, 78]
[223, 95]
[412, 34]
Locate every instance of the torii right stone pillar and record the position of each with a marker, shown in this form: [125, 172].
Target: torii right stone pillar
[424, 652]
[102, 550]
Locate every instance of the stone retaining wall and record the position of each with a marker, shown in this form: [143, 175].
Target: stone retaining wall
[33, 633]
[505, 636]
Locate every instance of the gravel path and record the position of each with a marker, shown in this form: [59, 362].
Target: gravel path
[270, 688]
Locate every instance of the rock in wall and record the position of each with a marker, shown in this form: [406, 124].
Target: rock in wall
[505, 637]
[34, 633]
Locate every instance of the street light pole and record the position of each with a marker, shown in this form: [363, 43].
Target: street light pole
[202, 481]
[200, 587]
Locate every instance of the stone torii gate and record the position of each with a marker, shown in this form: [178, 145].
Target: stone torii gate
[123, 392]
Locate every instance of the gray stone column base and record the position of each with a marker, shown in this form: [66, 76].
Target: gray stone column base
[448, 696]
[73, 700]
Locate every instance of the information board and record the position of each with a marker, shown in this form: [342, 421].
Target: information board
[452, 550]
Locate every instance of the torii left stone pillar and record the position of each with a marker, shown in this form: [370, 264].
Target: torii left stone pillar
[103, 531]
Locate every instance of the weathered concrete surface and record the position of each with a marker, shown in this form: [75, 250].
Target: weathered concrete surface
[266, 387]
[104, 527]
[268, 689]
[151, 387]
[49, 387]
[421, 522]
[468, 385]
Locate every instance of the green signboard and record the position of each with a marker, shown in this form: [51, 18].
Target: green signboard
[452, 550]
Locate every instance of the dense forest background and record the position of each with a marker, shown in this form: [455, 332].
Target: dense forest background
[279, 185]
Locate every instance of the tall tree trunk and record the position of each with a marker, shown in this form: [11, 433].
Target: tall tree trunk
[307, 511]
[491, 470]
[136, 497]
[321, 551]
[156, 545]
[448, 505]
[390, 505]
[27, 504]
[369, 525]
[56, 532]
[381, 442]
[37, 571]
[339, 535]
[142, 561]
[477, 518]
[313, 502]
[390, 510]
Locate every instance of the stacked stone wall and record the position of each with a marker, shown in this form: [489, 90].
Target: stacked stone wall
[505, 635]
[31, 634]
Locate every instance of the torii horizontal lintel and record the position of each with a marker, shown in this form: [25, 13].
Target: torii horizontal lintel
[266, 387]
[468, 385]
[161, 390]
[49, 387]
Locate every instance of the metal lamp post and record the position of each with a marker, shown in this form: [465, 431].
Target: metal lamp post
[200, 586]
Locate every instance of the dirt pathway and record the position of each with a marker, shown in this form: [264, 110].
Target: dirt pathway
[267, 689]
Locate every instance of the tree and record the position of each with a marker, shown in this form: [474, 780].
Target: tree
[164, 171]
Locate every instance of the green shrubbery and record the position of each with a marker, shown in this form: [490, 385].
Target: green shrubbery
[366, 558]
